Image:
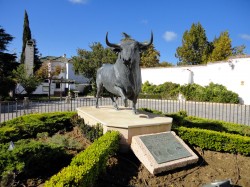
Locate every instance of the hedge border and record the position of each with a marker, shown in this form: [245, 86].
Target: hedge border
[87, 165]
[28, 126]
[210, 134]
[217, 141]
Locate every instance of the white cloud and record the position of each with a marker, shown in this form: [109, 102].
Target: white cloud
[78, 1]
[245, 36]
[169, 36]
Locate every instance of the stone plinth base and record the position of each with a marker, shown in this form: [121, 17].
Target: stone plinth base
[124, 121]
[158, 156]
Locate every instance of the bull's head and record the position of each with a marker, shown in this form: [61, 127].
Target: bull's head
[129, 50]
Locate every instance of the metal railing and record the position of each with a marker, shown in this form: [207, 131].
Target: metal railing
[235, 113]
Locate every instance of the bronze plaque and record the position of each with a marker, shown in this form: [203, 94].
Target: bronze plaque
[165, 147]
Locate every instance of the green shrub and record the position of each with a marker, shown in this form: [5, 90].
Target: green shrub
[28, 126]
[148, 88]
[217, 141]
[30, 158]
[211, 134]
[220, 94]
[65, 141]
[90, 132]
[216, 125]
[87, 165]
[150, 96]
[167, 90]
[181, 119]
[192, 92]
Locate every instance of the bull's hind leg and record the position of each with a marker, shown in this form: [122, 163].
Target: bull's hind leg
[114, 103]
[99, 91]
[134, 105]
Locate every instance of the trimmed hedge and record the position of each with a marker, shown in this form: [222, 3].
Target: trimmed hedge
[30, 158]
[28, 126]
[210, 134]
[87, 165]
[217, 141]
[181, 119]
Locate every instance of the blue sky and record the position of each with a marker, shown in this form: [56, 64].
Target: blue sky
[62, 26]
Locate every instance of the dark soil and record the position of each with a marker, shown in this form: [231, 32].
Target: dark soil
[126, 170]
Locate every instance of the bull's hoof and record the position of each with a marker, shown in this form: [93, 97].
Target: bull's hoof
[96, 106]
[135, 111]
[116, 107]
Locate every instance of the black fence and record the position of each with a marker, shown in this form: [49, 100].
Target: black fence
[235, 113]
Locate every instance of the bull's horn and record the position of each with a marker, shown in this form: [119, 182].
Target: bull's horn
[110, 44]
[149, 43]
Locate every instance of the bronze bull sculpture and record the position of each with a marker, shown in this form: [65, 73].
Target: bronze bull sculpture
[124, 77]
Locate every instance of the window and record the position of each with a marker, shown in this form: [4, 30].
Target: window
[58, 85]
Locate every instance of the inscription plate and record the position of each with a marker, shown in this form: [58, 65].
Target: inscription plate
[165, 147]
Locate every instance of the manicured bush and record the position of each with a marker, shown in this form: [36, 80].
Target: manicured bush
[211, 134]
[87, 165]
[181, 119]
[31, 158]
[217, 141]
[28, 126]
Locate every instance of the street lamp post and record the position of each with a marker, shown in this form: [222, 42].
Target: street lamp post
[61, 89]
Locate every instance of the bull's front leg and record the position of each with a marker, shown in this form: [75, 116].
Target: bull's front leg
[122, 94]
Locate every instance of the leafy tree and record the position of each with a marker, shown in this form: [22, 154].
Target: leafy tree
[239, 50]
[150, 57]
[7, 64]
[87, 62]
[165, 64]
[222, 47]
[44, 72]
[28, 82]
[26, 35]
[195, 47]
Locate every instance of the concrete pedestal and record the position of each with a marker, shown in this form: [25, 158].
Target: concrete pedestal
[124, 121]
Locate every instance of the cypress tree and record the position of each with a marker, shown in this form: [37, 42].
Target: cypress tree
[26, 35]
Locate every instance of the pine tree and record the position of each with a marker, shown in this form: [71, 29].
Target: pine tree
[150, 57]
[195, 47]
[222, 47]
[7, 64]
[26, 35]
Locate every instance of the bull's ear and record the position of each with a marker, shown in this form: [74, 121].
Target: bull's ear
[143, 48]
[116, 50]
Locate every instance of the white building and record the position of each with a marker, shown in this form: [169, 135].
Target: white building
[234, 74]
[67, 80]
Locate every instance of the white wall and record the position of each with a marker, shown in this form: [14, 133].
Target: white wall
[234, 74]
